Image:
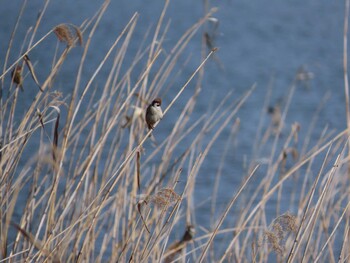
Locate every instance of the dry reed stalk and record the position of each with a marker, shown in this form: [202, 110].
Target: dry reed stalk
[170, 61]
[153, 50]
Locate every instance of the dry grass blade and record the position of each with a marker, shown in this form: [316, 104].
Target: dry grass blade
[31, 70]
[190, 79]
[139, 206]
[1, 150]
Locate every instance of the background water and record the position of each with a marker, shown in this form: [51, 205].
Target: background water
[259, 41]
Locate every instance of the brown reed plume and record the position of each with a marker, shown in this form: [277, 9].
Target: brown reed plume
[163, 198]
[68, 33]
[278, 232]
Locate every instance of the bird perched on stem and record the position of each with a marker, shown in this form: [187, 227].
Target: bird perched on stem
[16, 76]
[154, 113]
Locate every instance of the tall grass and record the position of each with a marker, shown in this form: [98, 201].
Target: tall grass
[78, 183]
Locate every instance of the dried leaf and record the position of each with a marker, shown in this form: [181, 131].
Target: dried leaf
[138, 165]
[55, 137]
[78, 34]
[31, 70]
[36, 243]
[143, 220]
[209, 41]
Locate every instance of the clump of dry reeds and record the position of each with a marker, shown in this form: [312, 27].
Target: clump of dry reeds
[82, 182]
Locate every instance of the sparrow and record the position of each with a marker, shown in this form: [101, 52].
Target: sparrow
[16, 76]
[154, 113]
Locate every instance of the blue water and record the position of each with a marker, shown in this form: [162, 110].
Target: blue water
[260, 41]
